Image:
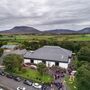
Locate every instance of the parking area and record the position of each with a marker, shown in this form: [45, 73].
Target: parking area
[12, 84]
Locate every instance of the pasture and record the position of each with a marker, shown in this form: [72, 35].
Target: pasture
[21, 38]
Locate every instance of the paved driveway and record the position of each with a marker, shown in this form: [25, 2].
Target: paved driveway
[12, 84]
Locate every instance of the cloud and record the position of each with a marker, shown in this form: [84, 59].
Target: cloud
[45, 14]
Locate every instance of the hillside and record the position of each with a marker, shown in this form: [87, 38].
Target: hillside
[60, 31]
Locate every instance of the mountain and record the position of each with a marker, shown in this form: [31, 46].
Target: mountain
[21, 30]
[67, 31]
[60, 31]
[31, 30]
[85, 30]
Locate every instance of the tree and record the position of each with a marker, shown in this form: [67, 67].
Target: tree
[71, 45]
[1, 35]
[43, 42]
[83, 68]
[83, 77]
[41, 68]
[84, 54]
[1, 52]
[2, 43]
[33, 45]
[13, 62]
[25, 44]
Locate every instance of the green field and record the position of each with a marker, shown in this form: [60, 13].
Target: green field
[84, 37]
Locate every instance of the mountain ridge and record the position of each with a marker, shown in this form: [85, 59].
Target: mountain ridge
[32, 30]
[21, 30]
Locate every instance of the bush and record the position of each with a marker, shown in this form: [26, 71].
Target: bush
[24, 70]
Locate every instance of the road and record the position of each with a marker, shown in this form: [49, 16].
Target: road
[12, 84]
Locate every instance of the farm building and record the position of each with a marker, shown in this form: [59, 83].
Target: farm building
[50, 55]
[8, 48]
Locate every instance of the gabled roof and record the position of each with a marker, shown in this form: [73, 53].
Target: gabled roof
[18, 51]
[51, 53]
[9, 46]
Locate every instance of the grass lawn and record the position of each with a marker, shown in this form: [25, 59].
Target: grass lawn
[70, 84]
[35, 76]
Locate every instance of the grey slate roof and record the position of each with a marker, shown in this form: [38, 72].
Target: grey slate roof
[28, 54]
[51, 53]
[9, 46]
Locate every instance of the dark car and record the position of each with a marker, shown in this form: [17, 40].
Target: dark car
[45, 87]
[27, 82]
[2, 73]
[9, 76]
[17, 79]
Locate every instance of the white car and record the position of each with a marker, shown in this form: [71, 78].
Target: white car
[36, 85]
[33, 66]
[21, 88]
[1, 89]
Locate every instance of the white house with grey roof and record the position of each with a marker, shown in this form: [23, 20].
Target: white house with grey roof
[50, 55]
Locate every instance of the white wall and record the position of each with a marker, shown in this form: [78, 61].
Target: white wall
[69, 61]
[49, 63]
[37, 61]
[27, 61]
[7, 50]
[63, 65]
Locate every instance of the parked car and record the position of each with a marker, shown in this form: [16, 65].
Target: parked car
[27, 82]
[9, 76]
[17, 79]
[36, 85]
[21, 88]
[44, 87]
[2, 73]
[1, 88]
[33, 66]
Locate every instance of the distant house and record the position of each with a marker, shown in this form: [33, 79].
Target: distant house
[18, 51]
[50, 55]
[8, 48]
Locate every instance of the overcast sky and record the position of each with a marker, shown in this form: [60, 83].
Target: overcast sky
[45, 14]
